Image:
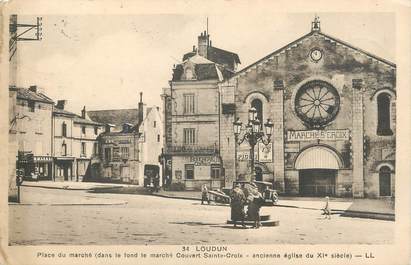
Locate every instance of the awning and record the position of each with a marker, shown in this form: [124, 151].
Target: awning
[318, 157]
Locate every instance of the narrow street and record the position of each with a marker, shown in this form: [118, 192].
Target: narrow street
[104, 219]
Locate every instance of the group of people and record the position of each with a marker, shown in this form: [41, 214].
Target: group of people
[251, 199]
[240, 199]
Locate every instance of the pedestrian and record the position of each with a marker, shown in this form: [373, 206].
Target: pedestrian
[204, 194]
[326, 209]
[156, 182]
[253, 210]
[238, 201]
[167, 181]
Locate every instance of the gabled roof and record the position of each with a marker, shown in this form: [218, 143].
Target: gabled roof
[326, 37]
[197, 59]
[216, 55]
[63, 112]
[78, 119]
[221, 56]
[116, 117]
[24, 93]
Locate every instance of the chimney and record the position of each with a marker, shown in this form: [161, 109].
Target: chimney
[83, 112]
[61, 103]
[33, 89]
[203, 41]
[108, 127]
[140, 109]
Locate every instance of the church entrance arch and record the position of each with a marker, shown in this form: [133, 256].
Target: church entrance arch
[318, 168]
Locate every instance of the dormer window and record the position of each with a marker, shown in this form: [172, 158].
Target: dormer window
[189, 74]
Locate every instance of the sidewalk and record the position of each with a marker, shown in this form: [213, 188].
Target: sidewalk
[73, 185]
[364, 208]
[382, 209]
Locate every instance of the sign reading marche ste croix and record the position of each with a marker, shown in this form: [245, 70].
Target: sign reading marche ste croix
[324, 135]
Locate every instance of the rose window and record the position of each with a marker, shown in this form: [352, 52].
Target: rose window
[317, 103]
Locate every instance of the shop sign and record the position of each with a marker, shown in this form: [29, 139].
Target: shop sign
[203, 160]
[265, 152]
[245, 155]
[43, 159]
[324, 135]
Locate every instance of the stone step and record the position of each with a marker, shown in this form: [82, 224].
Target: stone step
[263, 223]
[263, 217]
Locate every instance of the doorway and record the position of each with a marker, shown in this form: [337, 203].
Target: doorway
[258, 174]
[317, 182]
[385, 181]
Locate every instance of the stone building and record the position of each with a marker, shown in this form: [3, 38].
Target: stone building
[333, 107]
[31, 125]
[132, 141]
[74, 143]
[119, 155]
[191, 115]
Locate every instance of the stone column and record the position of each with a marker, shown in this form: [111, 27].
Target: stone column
[357, 139]
[278, 134]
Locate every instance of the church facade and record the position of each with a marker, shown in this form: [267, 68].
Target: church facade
[333, 109]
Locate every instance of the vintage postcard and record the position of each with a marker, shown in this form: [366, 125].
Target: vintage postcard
[222, 132]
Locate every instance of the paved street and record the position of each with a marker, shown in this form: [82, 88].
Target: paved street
[140, 219]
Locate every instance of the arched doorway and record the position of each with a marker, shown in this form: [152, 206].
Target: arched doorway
[317, 167]
[385, 181]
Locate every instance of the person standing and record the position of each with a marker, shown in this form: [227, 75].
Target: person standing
[204, 194]
[253, 210]
[326, 209]
[238, 201]
[156, 182]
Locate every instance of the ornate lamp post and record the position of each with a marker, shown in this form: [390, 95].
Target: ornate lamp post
[252, 133]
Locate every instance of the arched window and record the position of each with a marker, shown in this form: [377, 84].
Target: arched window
[384, 117]
[385, 181]
[64, 129]
[258, 105]
[64, 149]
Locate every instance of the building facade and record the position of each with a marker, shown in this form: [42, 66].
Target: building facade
[120, 155]
[191, 116]
[131, 143]
[31, 125]
[74, 143]
[333, 109]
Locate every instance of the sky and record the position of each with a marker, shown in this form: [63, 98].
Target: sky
[103, 62]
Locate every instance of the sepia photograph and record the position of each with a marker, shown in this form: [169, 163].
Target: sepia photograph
[202, 131]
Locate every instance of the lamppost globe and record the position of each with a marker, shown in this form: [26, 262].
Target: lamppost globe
[237, 126]
[252, 114]
[268, 128]
[256, 126]
[249, 127]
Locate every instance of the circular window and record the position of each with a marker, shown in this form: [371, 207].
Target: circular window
[317, 103]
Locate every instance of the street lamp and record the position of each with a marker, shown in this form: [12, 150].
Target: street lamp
[253, 133]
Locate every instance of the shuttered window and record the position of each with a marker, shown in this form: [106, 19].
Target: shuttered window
[189, 136]
[189, 107]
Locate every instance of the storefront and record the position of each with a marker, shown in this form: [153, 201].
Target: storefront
[194, 171]
[43, 167]
[63, 169]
